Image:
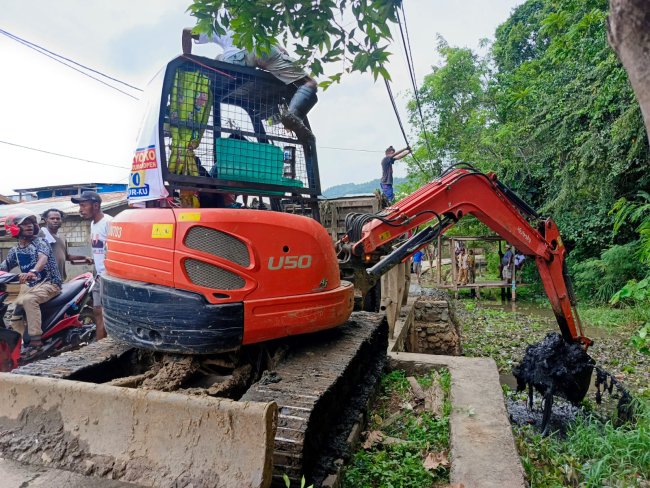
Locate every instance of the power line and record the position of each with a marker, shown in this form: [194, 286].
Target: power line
[55, 57]
[349, 149]
[63, 155]
[411, 69]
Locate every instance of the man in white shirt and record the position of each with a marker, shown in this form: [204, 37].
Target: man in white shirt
[90, 208]
[278, 63]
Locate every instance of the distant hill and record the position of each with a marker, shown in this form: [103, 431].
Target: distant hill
[356, 188]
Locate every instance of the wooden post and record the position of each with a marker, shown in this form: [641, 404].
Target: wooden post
[407, 282]
[513, 280]
[439, 261]
[392, 291]
[454, 271]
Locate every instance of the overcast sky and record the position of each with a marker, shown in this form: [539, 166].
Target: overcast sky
[51, 107]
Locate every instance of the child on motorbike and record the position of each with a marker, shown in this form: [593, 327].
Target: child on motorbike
[39, 277]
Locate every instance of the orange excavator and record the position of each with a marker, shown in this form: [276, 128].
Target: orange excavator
[226, 278]
[223, 278]
[213, 279]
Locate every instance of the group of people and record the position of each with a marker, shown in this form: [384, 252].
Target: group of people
[42, 253]
[466, 262]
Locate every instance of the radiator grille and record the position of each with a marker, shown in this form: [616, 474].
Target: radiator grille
[210, 276]
[218, 244]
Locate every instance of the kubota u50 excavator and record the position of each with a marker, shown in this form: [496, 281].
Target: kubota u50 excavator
[208, 280]
[201, 281]
[227, 278]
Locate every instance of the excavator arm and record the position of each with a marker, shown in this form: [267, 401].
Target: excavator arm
[459, 192]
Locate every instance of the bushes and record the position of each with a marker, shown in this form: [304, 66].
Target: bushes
[598, 279]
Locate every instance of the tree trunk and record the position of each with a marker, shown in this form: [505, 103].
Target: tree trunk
[628, 32]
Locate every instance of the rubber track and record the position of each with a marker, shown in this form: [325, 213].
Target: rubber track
[72, 363]
[316, 383]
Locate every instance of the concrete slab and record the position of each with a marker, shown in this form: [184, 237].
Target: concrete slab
[17, 475]
[482, 445]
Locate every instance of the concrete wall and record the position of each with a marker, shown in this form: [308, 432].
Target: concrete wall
[146, 437]
[433, 330]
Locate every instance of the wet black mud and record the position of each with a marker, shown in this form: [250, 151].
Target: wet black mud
[556, 367]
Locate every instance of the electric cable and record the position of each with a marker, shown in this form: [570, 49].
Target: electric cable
[63, 155]
[411, 70]
[55, 57]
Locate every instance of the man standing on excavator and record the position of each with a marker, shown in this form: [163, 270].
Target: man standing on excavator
[387, 170]
[278, 63]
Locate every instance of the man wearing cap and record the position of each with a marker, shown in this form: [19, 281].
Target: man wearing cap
[90, 208]
[386, 182]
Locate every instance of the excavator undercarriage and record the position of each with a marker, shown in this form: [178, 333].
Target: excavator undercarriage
[301, 382]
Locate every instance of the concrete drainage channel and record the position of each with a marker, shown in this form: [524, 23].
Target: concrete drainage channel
[483, 452]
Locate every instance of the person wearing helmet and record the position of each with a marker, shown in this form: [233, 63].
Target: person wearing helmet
[39, 273]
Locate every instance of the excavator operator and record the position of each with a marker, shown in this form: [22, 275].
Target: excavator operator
[278, 63]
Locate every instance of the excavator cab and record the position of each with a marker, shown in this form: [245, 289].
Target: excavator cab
[219, 126]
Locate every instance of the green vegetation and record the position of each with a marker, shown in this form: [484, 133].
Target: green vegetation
[357, 188]
[548, 107]
[592, 454]
[411, 445]
[318, 30]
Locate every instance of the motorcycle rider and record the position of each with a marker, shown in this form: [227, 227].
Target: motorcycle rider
[39, 277]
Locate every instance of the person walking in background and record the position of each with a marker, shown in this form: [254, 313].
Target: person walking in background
[519, 263]
[390, 157]
[90, 208]
[53, 219]
[506, 262]
[417, 264]
[471, 266]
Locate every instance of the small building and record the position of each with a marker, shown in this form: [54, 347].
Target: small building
[43, 192]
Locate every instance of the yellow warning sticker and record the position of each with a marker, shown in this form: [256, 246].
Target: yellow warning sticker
[162, 231]
[385, 235]
[189, 217]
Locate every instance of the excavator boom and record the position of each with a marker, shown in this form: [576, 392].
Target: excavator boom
[466, 191]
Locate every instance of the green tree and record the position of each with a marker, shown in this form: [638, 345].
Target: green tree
[316, 28]
[452, 98]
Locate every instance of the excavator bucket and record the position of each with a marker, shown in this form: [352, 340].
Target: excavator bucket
[9, 349]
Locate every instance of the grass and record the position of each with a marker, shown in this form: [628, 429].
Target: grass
[401, 464]
[593, 454]
[612, 318]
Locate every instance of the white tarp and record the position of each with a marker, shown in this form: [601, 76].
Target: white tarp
[146, 180]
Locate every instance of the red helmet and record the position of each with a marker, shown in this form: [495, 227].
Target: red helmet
[17, 217]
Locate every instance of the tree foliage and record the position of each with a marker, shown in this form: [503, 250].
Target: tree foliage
[317, 28]
[549, 108]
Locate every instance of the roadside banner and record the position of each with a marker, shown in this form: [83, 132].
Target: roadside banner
[146, 180]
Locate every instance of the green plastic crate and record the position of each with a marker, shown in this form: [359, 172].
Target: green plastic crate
[239, 160]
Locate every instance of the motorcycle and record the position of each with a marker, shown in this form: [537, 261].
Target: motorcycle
[66, 323]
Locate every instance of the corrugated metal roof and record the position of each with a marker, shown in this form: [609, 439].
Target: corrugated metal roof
[109, 201]
[4, 199]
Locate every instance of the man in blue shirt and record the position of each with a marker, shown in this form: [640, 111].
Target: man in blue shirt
[39, 273]
[386, 182]
[417, 264]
